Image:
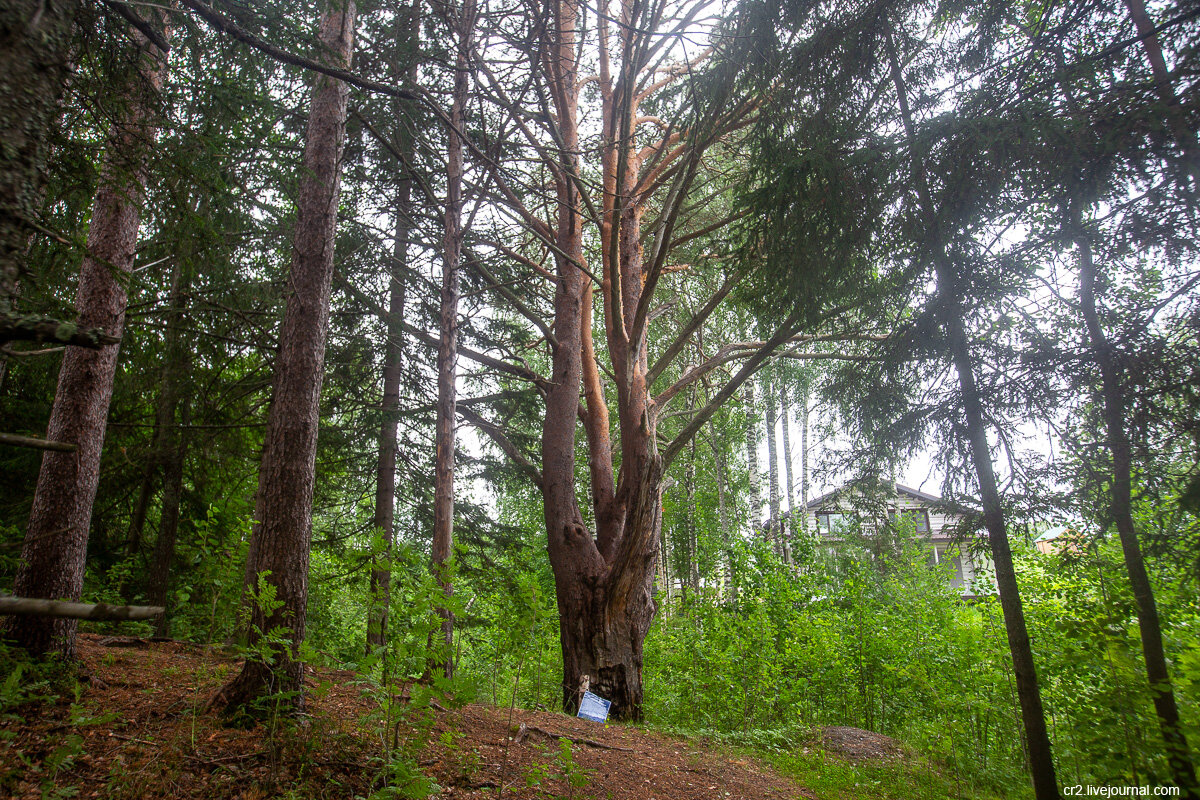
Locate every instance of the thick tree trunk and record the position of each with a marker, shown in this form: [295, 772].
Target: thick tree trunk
[280, 543]
[52, 559]
[1121, 509]
[35, 38]
[1041, 761]
[605, 613]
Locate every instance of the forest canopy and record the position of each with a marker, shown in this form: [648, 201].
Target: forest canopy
[450, 339]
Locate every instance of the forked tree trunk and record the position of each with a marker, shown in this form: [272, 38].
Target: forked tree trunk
[52, 558]
[605, 613]
[1175, 742]
[281, 541]
[604, 579]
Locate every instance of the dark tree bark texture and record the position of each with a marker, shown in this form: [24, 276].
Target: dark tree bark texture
[1112, 392]
[393, 353]
[283, 536]
[1037, 740]
[34, 41]
[52, 558]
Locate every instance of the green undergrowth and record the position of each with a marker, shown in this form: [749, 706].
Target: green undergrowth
[796, 754]
[832, 778]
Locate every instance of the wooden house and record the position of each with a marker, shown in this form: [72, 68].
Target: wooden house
[934, 520]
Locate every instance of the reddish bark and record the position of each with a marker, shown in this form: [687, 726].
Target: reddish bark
[281, 541]
[52, 558]
[603, 583]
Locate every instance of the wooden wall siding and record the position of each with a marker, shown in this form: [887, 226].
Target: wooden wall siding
[942, 525]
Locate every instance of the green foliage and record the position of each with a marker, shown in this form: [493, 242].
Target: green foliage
[883, 643]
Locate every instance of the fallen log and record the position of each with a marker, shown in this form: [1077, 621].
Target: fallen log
[41, 444]
[27, 606]
[524, 731]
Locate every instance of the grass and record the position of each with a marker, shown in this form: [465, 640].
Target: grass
[832, 778]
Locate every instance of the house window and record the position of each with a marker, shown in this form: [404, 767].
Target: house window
[832, 523]
[919, 517]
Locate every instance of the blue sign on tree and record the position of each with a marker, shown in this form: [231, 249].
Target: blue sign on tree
[594, 707]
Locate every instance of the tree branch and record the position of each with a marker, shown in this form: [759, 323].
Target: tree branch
[504, 443]
[231, 29]
[38, 328]
[693, 324]
[134, 19]
[17, 440]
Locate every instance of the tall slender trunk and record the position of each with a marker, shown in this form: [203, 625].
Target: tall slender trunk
[161, 446]
[690, 526]
[752, 458]
[1121, 509]
[723, 513]
[1041, 761]
[1185, 137]
[447, 360]
[141, 506]
[52, 558]
[384, 520]
[789, 478]
[168, 526]
[172, 450]
[773, 467]
[804, 446]
[280, 543]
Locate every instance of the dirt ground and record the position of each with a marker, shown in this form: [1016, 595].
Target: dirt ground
[139, 728]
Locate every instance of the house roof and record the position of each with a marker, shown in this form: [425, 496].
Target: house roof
[900, 489]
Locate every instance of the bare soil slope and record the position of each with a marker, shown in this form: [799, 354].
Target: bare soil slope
[138, 728]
